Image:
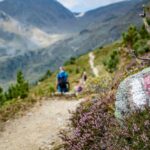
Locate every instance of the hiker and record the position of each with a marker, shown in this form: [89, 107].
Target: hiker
[79, 87]
[84, 77]
[62, 81]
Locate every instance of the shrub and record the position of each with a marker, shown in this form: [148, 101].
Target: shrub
[148, 20]
[51, 89]
[98, 84]
[2, 96]
[72, 61]
[135, 133]
[143, 33]
[112, 61]
[20, 89]
[46, 76]
[131, 36]
[101, 47]
[141, 47]
[96, 128]
[90, 126]
[77, 70]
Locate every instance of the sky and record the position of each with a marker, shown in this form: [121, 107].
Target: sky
[85, 5]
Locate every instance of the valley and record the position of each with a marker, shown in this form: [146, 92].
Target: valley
[33, 40]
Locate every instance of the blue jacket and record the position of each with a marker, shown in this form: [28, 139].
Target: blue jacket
[62, 77]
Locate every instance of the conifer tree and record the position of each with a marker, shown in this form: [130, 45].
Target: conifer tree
[143, 33]
[2, 97]
[22, 85]
[20, 89]
[130, 37]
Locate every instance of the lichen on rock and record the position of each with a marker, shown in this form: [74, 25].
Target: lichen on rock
[133, 93]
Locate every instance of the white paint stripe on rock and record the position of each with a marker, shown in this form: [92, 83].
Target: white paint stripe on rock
[137, 91]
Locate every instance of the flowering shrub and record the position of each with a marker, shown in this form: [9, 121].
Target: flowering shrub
[135, 134]
[91, 125]
[95, 128]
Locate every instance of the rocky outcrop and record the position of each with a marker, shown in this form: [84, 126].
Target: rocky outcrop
[133, 93]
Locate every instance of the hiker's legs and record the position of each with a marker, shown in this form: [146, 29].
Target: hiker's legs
[64, 88]
[59, 88]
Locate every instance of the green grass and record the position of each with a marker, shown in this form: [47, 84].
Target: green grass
[75, 72]
[15, 107]
[76, 69]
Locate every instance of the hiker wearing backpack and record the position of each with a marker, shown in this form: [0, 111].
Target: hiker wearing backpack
[62, 81]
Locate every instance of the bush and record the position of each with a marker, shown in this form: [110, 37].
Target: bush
[98, 84]
[20, 89]
[96, 128]
[141, 47]
[46, 76]
[143, 33]
[148, 20]
[131, 36]
[90, 126]
[51, 89]
[101, 47]
[2, 96]
[135, 133]
[77, 71]
[72, 61]
[112, 61]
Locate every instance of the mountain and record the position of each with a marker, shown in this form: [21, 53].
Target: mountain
[32, 41]
[48, 15]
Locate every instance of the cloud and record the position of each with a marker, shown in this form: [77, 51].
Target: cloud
[84, 5]
[69, 3]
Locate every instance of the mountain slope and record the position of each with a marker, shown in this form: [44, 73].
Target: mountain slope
[95, 28]
[44, 14]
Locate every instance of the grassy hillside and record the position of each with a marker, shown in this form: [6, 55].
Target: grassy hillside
[34, 46]
[94, 123]
[75, 69]
[113, 61]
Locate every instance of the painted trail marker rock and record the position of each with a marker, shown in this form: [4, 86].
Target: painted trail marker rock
[133, 93]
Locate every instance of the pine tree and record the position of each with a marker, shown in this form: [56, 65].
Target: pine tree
[46, 75]
[2, 97]
[22, 85]
[143, 33]
[20, 89]
[112, 62]
[130, 37]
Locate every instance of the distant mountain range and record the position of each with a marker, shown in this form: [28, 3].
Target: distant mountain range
[36, 35]
[48, 15]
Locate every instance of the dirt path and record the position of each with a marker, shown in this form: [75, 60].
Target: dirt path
[39, 127]
[91, 61]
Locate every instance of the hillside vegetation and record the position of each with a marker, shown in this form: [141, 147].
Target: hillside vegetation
[39, 35]
[113, 61]
[93, 125]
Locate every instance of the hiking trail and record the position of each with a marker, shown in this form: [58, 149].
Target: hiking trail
[39, 127]
[91, 62]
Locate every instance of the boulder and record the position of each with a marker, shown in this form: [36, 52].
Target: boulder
[133, 94]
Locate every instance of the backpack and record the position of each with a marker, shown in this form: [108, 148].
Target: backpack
[62, 78]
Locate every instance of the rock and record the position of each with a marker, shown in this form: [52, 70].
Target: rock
[133, 93]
